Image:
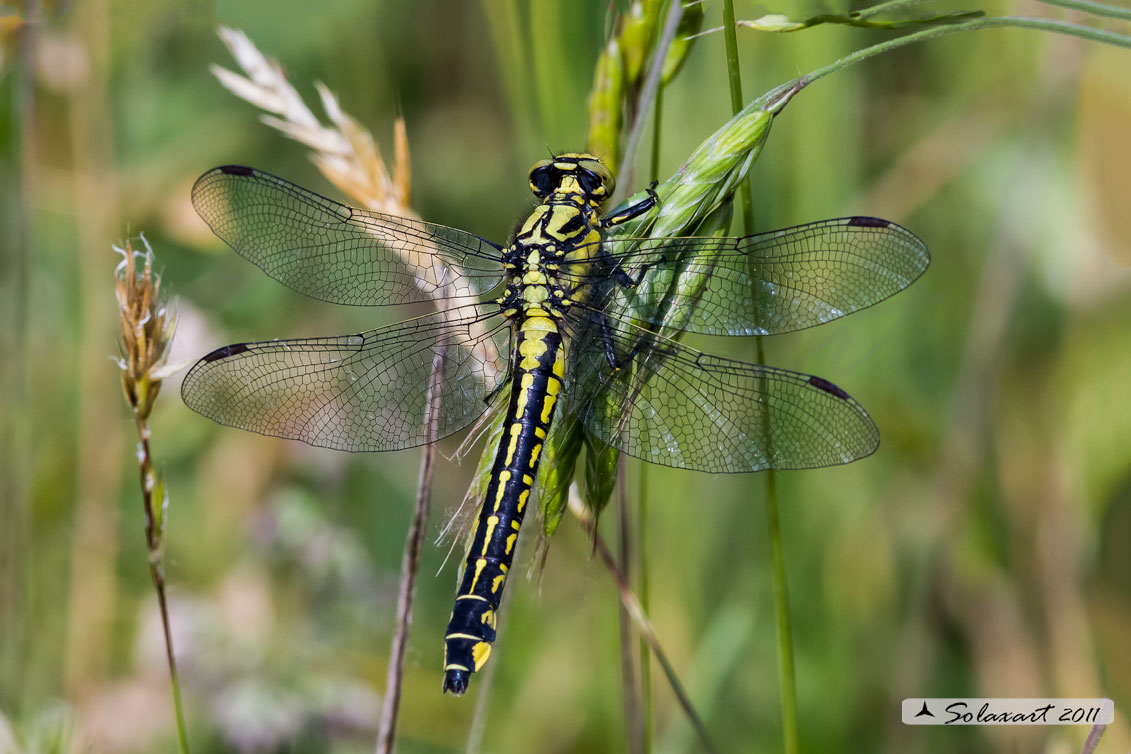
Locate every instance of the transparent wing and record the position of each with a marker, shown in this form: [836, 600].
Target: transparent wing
[668, 404]
[356, 392]
[336, 253]
[764, 284]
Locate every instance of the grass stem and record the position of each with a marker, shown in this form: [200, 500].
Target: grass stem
[787, 680]
[154, 543]
[787, 684]
[410, 566]
[734, 79]
[634, 715]
[1022, 22]
[643, 624]
[157, 574]
[146, 330]
[646, 604]
[1096, 9]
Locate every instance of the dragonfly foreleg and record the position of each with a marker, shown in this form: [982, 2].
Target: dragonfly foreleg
[632, 210]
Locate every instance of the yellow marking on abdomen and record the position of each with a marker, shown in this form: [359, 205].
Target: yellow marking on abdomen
[525, 384]
[480, 564]
[548, 408]
[480, 652]
[504, 477]
[512, 444]
[492, 522]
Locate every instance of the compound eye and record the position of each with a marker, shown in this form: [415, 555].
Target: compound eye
[591, 183]
[542, 180]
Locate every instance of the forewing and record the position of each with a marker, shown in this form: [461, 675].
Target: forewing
[336, 253]
[361, 392]
[662, 402]
[764, 284]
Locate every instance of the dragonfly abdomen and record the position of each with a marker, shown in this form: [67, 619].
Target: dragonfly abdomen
[537, 369]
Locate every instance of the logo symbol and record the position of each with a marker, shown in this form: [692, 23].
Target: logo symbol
[925, 712]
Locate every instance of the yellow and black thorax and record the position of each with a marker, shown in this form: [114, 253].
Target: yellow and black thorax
[560, 234]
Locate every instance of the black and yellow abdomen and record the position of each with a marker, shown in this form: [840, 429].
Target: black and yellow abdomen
[538, 366]
[561, 233]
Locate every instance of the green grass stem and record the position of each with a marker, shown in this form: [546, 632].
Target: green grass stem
[643, 584]
[787, 683]
[1096, 9]
[1021, 22]
[644, 595]
[734, 79]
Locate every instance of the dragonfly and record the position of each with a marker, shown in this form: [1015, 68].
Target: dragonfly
[562, 320]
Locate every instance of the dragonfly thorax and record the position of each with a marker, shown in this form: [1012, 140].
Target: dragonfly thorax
[556, 236]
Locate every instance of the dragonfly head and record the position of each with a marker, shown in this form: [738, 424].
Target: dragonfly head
[572, 174]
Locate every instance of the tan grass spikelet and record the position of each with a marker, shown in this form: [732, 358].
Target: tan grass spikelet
[344, 151]
[147, 328]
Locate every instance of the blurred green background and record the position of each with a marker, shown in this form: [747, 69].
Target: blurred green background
[983, 551]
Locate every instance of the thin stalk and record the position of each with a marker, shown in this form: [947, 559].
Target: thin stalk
[146, 330]
[154, 544]
[1096, 9]
[787, 682]
[887, 7]
[634, 716]
[645, 604]
[787, 679]
[777, 98]
[734, 79]
[410, 565]
[643, 625]
[1041, 24]
[1093, 739]
[644, 587]
[657, 122]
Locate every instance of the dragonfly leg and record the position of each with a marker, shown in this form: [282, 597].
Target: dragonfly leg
[499, 388]
[620, 275]
[633, 210]
[607, 340]
[615, 361]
